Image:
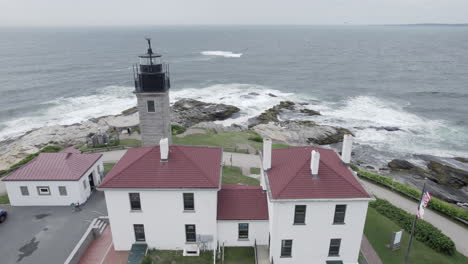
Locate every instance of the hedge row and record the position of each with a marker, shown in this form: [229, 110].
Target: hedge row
[435, 204]
[32, 156]
[424, 232]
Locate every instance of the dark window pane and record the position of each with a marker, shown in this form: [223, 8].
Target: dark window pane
[63, 190]
[340, 212]
[334, 249]
[151, 107]
[286, 248]
[43, 190]
[24, 190]
[190, 233]
[135, 203]
[299, 214]
[189, 203]
[243, 231]
[139, 232]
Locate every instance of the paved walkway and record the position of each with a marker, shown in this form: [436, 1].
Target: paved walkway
[262, 254]
[457, 233]
[101, 251]
[368, 252]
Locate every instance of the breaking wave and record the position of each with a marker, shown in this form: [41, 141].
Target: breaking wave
[226, 54]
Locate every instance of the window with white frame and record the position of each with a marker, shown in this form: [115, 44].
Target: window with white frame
[63, 190]
[43, 190]
[24, 190]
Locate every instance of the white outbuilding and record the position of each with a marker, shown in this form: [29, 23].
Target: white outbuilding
[60, 178]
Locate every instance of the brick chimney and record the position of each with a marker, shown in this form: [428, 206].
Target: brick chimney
[164, 149]
[314, 163]
[347, 148]
[266, 154]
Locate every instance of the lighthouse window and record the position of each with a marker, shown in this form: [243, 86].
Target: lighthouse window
[151, 107]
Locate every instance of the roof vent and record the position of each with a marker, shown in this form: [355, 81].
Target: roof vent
[164, 149]
[347, 148]
[266, 154]
[68, 155]
[314, 163]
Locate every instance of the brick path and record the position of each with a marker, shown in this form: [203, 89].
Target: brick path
[368, 252]
[101, 251]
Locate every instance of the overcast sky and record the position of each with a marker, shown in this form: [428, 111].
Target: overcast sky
[156, 12]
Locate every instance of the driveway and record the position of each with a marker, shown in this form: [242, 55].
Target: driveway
[45, 235]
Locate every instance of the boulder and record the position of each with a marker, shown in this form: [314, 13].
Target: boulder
[309, 112]
[448, 175]
[301, 133]
[398, 164]
[460, 159]
[188, 112]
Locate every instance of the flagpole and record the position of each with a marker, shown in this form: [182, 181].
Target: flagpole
[414, 223]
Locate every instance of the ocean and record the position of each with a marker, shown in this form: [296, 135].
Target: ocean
[414, 78]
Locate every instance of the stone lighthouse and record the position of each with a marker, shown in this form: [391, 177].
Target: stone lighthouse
[152, 85]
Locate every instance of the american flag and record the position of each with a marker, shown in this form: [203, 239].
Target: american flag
[424, 201]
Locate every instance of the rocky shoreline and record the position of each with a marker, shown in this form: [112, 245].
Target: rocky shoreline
[448, 177]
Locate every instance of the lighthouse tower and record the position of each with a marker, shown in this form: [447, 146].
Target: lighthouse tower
[152, 91]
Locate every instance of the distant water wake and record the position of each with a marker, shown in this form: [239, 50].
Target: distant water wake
[375, 122]
[226, 54]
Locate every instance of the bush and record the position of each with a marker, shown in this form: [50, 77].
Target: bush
[424, 232]
[147, 260]
[176, 129]
[32, 156]
[256, 138]
[435, 204]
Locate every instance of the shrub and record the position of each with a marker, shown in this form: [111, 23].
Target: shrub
[424, 232]
[32, 156]
[435, 204]
[176, 129]
[147, 260]
[256, 138]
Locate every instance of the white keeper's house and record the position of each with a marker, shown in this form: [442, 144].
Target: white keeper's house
[60, 178]
[310, 208]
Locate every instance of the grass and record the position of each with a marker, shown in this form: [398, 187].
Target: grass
[233, 175]
[239, 255]
[223, 139]
[175, 257]
[378, 230]
[108, 167]
[130, 142]
[254, 170]
[4, 199]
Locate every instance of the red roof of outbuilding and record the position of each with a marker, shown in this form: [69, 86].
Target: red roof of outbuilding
[61, 166]
[290, 176]
[187, 167]
[242, 202]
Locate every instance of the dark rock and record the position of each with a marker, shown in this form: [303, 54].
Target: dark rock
[332, 138]
[253, 93]
[390, 129]
[464, 160]
[272, 95]
[188, 112]
[130, 111]
[271, 114]
[309, 112]
[448, 175]
[370, 167]
[398, 164]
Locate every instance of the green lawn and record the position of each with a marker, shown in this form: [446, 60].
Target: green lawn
[233, 175]
[108, 167]
[4, 199]
[130, 142]
[254, 170]
[378, 230]
[222, 139]
[239, 255]
[175, 257]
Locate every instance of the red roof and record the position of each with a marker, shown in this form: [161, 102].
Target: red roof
[61, 166]
[290, 176]
[187, 167]
[242, 202]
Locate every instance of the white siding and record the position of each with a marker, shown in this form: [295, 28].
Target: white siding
[228, 233]
[75, 190]
[162, 215]
[312, 240]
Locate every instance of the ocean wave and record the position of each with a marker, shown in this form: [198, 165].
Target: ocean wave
[226, 54]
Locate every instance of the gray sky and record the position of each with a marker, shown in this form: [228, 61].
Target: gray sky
[154, 12]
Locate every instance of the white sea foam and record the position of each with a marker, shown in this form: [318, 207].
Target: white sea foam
[361, 114]
[226, 54]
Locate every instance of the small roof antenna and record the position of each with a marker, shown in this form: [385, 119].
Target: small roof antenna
[150, 50]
